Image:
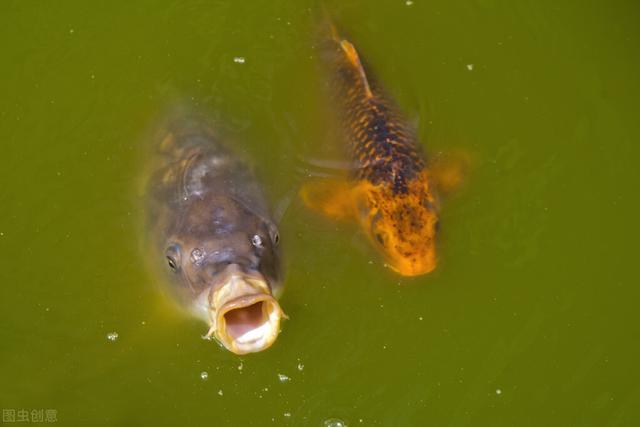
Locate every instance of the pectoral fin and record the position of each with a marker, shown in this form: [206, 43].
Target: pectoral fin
[331, 197]
[449, 170]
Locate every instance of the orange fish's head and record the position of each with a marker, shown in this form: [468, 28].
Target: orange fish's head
[403, 227]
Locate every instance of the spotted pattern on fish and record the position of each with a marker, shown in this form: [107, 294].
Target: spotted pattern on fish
[396, 204]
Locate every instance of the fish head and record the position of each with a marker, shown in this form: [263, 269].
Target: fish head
[225, 260]
[403, 227]
[229, 293]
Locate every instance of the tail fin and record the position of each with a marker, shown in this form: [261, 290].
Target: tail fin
[329, 32]
[326, 27]
[353, 57]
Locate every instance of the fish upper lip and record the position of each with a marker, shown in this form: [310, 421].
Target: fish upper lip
[245, 301]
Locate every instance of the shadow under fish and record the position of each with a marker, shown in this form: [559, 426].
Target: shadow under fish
[210, 231]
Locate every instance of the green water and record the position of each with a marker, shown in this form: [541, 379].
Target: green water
[530, 318]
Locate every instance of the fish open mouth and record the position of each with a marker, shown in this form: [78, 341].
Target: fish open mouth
[245, 317]
[250, 323]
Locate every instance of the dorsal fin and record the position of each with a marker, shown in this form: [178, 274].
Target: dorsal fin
[352, 55]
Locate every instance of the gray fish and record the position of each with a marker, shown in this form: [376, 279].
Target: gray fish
[210, 230]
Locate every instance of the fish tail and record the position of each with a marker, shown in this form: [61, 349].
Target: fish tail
[353, 58]
[344, 53]
[326, 29]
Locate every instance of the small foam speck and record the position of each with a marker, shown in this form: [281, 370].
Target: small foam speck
[334, 422]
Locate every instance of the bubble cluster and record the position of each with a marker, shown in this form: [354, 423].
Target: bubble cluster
[112, 336]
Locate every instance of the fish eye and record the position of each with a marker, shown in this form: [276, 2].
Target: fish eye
[379, 238]
[272, 232]
[172, 256]
[427, 204]
[172, 263]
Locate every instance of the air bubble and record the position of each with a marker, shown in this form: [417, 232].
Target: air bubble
[239, 59]
[334, 422]
[283, 378]
[112, 336]
[204, 375]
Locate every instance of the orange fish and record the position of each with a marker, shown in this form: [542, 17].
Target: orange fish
[390, 191]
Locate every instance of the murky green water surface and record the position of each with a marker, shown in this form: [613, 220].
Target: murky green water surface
[531, 318]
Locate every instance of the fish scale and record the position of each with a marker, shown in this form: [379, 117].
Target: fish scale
[389, 190]
[380, 141]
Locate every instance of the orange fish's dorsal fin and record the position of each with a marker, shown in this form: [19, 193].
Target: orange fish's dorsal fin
[330, 197]
[352, 55]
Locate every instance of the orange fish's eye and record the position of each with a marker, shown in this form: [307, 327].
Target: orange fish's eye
[428, 204]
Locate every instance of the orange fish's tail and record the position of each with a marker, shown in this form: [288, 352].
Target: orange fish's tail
[326, 28]
[341, 56]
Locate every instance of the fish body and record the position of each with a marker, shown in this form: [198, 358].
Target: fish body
[389, 190]
[211, 234]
